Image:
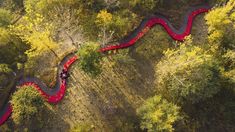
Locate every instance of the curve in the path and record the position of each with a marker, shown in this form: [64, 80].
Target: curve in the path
[151, 21]
[56, 94]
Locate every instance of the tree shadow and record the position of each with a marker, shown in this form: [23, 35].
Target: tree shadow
[118, 117]
[214, 114]
[46, 124]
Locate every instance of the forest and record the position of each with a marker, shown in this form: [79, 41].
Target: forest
[117, 65]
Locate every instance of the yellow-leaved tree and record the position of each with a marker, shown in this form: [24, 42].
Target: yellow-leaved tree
[104, 22]
[188, 74]
[36, 33]
[221, 24]
[221, 27]
[104, 18]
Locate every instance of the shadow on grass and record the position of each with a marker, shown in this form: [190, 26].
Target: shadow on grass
[50, 122]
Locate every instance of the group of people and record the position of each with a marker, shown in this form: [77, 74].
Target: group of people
[64, 74]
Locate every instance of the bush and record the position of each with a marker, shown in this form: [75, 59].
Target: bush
[90, 59]
[158, 115]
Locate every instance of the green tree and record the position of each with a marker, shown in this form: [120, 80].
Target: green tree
[149, 6]
[5, 17]
[4, 68]
[157, 114]
[12, 49]
[13, 5]
[4, 76]
[11, 56]
[112, 26]
[27, 105]
[123, 22]
[188, 73]
[229, 65]
[82, 128]
[145, 6]
[5, 128]
[5, 36]
[90, 59]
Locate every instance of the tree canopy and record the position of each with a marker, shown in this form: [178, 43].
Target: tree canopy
[5, 17]
[221, 22]
[27, 106]
[188, 73]
[90, 59]
[157, 114]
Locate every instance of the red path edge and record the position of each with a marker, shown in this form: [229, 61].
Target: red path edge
[151, 23]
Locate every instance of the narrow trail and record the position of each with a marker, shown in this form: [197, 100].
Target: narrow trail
[56, 94]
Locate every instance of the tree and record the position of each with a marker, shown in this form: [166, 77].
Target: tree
[13, 5]
[5, 17]
[5, 36]
[104, 21]
[12, 48]
[4, 76]
[36, 33]
[62, 13]
[90, 59]
[149, 6]
[114, 26]
[188, 73]
[229, 65]
[4, 68]
[82, 128]
[221, 25]
[123, 22]
[157, 114]
[27, 106]
[5, 128]
[11, 56]
[104, 18]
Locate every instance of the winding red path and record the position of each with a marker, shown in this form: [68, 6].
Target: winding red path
[55, 97]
